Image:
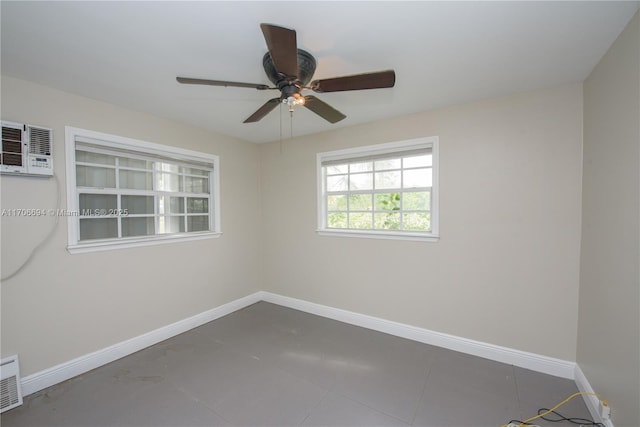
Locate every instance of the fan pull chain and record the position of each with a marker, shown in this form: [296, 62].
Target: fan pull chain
[280, 129]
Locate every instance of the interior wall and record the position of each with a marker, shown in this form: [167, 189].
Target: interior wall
[505, 270]
[63, 306]
[609, 310]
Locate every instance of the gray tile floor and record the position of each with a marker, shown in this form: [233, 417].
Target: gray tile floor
[270, 365]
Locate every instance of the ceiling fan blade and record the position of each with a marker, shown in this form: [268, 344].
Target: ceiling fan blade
[375, 80]
[283, 48]
[263, 111]
[190, 81]
[323, 109]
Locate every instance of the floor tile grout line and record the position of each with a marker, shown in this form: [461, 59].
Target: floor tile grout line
[518, 397]
[314, 407]
[198, 400]
[371, 407]
[424, 388]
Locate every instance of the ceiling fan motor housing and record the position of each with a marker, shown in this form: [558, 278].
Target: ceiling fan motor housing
[289, 85]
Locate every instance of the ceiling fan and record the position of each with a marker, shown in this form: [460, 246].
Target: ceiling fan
[290, 69]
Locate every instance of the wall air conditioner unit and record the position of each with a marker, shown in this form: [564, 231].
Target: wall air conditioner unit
[26, 150]
[10, 389]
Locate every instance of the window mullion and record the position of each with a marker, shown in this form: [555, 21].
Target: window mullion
[156, 215]
[118, 197]
[401, 193]
[184, 217]
[373, 191]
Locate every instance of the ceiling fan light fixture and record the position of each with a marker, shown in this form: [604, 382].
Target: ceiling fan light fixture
[294, 99]
[298, 99]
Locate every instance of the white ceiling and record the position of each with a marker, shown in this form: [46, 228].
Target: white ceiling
[129, 53]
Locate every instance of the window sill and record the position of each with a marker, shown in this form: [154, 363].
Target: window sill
[386, 235]
[108, 245]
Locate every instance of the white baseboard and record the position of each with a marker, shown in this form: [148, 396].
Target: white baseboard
[590, 401]
[523, 359]
[67, 370]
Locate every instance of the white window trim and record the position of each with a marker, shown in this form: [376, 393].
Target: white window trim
[377, 149]
[115, 141]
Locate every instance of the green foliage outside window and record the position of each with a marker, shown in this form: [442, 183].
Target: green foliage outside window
[390, 220]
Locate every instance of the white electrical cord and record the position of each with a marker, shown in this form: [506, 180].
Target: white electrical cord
[45, 239]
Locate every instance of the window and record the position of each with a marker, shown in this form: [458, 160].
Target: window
[125, 192]
[380, 191]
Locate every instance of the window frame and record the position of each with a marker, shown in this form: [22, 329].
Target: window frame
[398, 147]
[116, 142]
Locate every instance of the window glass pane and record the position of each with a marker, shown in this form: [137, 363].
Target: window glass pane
[337, 169]
[416, 221]
[360, 167]
[388, 180]
[170, 224]
[88, 157]
[197, 205]
[414, 178]
[168, 182]
[198, 223]
[387, 221]
[169, 204]
[91, 204]
[387, 201]
[192, 171]
[91, 176]
[140, 226]
[361, 181]
[135, 180]
[176, 204]
[134, 163]
[196, 185]
[164, 205]
[337, 203]
[98, 228]
[166, 167]
[416, 201]
[417, 161]
[337, 183]
[337, 220]
[360, 202]
[387, 164]
[137, 204]
[361, 220]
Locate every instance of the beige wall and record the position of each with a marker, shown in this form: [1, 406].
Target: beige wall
[63, 306]
[505, 270]
[609, 310]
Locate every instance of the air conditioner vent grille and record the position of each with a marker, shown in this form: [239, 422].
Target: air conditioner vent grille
[11, 146]
[39, 141]
[9, 392]
[10, 389]
[11, 134]
[12, 159]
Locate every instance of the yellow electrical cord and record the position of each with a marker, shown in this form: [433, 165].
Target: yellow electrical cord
[580, 393]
